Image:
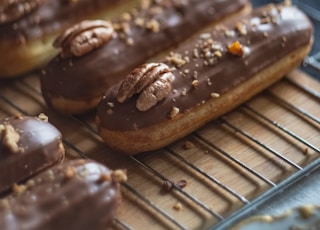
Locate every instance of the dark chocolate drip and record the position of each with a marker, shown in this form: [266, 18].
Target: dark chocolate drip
[39, 148]
[50, 18]
[267, 40]
[92, 74]
[75, 195]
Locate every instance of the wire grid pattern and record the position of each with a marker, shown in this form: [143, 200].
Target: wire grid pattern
[247, 108]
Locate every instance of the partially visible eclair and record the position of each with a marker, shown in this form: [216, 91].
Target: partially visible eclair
[96, 55]
[28, 28]
[28, 146]
[203, 78]
[76, 195]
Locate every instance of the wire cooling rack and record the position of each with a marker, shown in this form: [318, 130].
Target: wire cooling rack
[230, 166]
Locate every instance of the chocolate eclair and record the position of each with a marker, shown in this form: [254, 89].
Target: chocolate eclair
[28, 145]
[75, 195]
[28, 28]
[203, 78]
[97, 55]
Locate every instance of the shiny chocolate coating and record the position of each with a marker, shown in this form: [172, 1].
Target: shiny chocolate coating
[91, 75]
[78, 194]
[28, 145]
[49, 18]
[269, 33]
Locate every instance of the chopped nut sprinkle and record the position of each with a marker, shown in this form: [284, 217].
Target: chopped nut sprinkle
[174, 112]
[215, 95]
[69, 172]
[153, 25]
[104, 177]
[10, 138]
[43, 117]
[119, 176]
[195, 83]
[18, 188]
[236, 49]
[176, 59]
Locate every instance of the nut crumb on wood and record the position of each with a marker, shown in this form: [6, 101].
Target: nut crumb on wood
[188, 145]
[177, 206]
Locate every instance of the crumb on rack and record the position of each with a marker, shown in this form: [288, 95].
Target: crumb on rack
[177, 206]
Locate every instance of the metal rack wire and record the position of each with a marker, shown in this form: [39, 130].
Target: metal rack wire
[139, 162]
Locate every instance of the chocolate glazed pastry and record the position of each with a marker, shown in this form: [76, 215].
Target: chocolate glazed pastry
[204, 78]
[28, 145]
[28, 28]
[76, 195]
[75, 80]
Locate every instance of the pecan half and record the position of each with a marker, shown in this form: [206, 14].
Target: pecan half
[153, 81]
[11, 10]
[84, 37]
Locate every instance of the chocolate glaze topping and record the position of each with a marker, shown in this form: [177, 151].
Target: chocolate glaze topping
[28, 145]
[206, 67]
[140, 35]
[79, 194]
[49, 18]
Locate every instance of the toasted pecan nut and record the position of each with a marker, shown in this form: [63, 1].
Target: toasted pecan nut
[11, 10]
[152, 81]
[84, 37]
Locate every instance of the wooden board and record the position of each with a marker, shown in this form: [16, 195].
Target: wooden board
[226, 164]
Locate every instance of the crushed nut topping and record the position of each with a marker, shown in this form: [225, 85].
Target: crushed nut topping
[236, 49]
[241, 28]
[174, 112]
[119, 176]
[153, 25]
[215, 95]
[84, 37]
[153, 81]
[208, 50]
[104, 178]
[18, 189]
[176, 59]
[69, 172]
[11, 10]
[195, 83]
[10, 138]
[43, 117]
